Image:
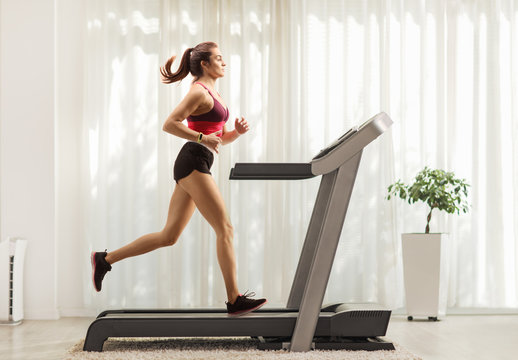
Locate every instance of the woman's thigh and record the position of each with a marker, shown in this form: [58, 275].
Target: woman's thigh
[203, 190]
[181, 208]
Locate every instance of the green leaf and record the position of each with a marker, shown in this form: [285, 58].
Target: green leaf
[436, 188]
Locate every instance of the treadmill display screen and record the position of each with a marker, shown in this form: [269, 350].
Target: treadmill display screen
[337, 142]
[341, 139]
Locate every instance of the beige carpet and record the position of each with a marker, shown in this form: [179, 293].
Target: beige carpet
[216, 348]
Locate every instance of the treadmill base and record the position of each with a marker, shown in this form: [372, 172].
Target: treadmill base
[329, 343]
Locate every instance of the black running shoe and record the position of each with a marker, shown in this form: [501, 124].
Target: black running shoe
[244, 304]
[99, 268]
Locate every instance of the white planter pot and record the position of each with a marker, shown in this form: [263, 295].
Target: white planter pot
[426, 271]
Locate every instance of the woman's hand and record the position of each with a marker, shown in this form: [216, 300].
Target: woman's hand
[241, 126]
[212, 141]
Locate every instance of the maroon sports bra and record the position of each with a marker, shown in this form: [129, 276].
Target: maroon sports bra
[209, 122]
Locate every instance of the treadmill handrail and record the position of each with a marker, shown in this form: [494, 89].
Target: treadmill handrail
[271, 171]
[326, 161]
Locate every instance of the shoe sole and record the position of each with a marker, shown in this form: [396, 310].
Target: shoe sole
[243, 312]
[92, 259]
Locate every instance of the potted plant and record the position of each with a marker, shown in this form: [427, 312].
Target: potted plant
[425, 255]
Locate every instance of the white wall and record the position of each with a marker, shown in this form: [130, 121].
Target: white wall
[27, 112]
[41, 50]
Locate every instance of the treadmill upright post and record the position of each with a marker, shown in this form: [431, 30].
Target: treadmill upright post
[338, 197]
[310, 243]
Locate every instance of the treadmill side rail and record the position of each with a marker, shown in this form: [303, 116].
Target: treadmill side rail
[271, 171]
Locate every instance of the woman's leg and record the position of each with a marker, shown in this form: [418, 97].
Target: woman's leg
[203, 190]
[181, 208]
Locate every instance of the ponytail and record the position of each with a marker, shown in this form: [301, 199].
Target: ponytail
[191, 63]
[183, 70]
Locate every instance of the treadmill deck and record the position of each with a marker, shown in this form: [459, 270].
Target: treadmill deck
[263, 323]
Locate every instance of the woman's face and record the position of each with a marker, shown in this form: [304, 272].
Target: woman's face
[216, 68]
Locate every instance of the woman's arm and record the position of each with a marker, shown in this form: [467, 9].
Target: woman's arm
[228, 136]
[241, 127]
[174, 123]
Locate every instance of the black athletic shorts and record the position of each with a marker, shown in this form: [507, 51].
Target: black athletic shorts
[192, 156]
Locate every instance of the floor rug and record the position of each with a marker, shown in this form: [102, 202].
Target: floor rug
[215, 349]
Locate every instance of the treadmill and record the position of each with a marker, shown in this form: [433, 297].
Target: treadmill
[304, 324]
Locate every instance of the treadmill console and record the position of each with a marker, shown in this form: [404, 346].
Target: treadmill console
[337, 142]
[342, 139]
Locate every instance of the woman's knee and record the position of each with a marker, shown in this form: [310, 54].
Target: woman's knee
[225, 231]
[169, 238]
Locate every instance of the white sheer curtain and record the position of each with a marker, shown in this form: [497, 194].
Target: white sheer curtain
[302, 73]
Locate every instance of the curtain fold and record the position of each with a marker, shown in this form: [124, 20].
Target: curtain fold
[302, 73]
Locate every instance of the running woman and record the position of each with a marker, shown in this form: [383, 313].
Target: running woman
[195, 187]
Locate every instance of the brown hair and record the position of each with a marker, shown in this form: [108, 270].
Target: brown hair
[191, 63]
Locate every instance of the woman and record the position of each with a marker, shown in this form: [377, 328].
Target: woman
[206, 132]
